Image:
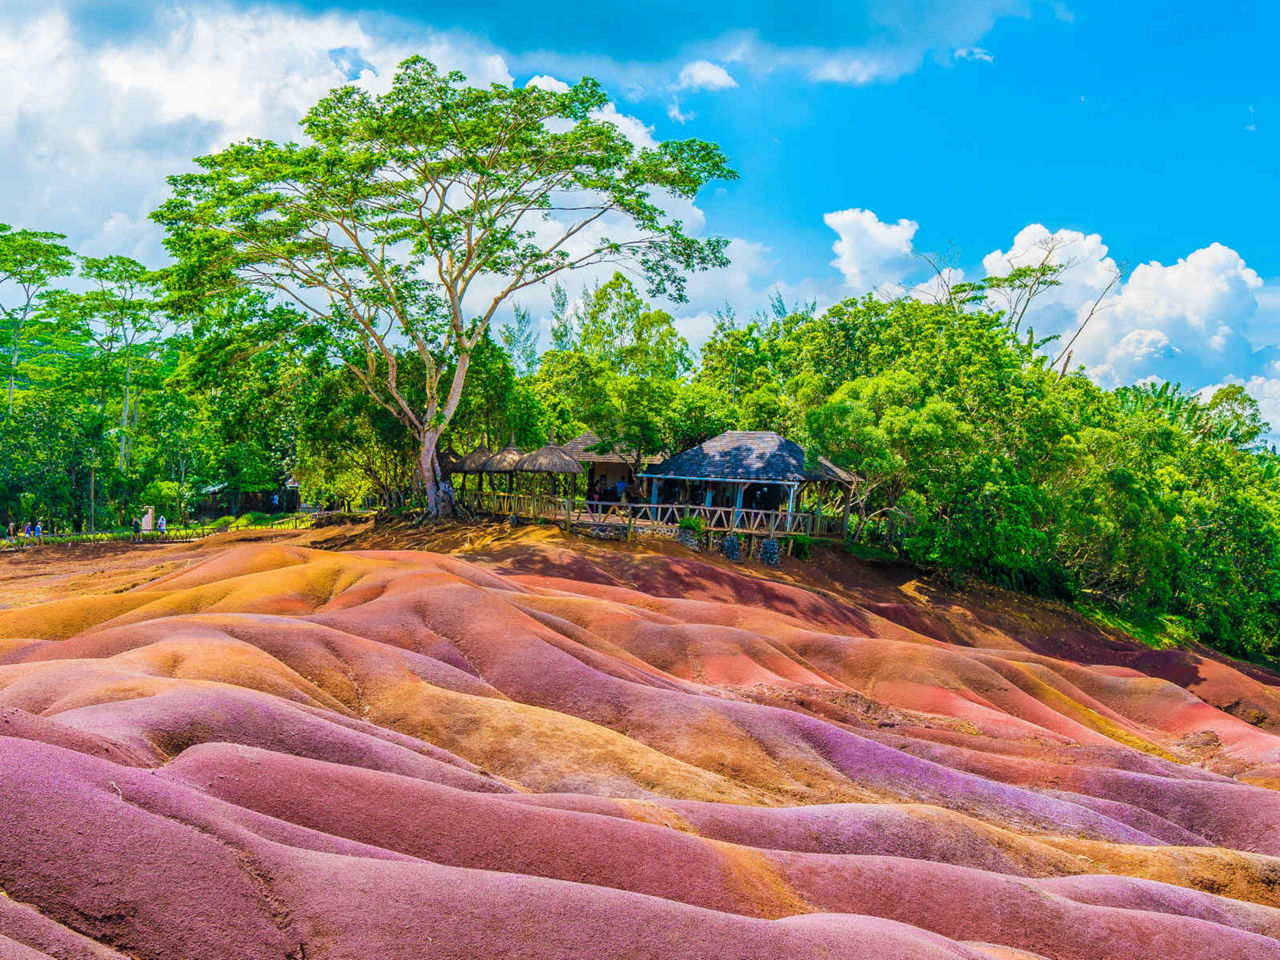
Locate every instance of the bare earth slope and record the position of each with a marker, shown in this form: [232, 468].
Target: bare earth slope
[533, 748]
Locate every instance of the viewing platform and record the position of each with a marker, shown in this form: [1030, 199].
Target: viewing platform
[651, 517]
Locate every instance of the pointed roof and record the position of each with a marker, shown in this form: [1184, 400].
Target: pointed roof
[474, 460]
[548, 459]
[504, 461]
[746, 455]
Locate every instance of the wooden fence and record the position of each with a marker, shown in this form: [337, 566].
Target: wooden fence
[185, 534]
[541, 506]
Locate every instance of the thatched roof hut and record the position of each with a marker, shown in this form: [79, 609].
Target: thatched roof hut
[504, 461]
[548, 459]
[448, 459]
[474, 460]
[741, 456]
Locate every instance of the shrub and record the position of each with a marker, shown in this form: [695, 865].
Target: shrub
[691, 522]
[802, 546]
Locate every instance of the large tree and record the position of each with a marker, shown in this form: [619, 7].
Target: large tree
[408, 219]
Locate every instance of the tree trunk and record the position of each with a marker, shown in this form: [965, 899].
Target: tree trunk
[124, 416]
[427, 470]
[13, 373]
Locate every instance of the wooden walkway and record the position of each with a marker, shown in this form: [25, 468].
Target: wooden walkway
[656, 516]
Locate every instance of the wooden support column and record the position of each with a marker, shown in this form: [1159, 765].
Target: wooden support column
[737, 507]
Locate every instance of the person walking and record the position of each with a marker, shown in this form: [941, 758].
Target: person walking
[39, 532]
[162, 525]
[11, 533]
[137, 529]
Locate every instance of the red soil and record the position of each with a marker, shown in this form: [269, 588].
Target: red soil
[536, 748]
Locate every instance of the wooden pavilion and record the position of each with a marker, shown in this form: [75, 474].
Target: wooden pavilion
[750, 482]
[746, 478]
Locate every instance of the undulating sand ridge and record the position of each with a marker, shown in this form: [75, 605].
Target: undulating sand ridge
[537, 749]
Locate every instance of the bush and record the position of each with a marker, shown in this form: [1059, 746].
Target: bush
[222, 523]
[802, 546]
[691, 522]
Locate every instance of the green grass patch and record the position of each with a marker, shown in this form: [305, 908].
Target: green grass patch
[1164, 632]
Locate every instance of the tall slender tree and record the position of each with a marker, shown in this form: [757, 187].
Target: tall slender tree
[31, 261]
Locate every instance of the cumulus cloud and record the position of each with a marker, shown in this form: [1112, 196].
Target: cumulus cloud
[102, 123]
[704, 75]
[548, 83]
[1182, 321]
[1195, 321]
[871, 253]
[1206, 318]
[897, 40]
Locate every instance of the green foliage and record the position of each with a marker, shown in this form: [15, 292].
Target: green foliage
[401, 207]
[975, 460]
[691, 522]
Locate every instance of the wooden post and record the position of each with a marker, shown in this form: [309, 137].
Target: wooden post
[737, 506]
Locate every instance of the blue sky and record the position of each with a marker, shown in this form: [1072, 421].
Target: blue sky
[1129, 136]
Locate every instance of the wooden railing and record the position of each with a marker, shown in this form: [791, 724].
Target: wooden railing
[175, 534]
[534, 506]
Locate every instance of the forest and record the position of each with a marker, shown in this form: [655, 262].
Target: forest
[337, 312]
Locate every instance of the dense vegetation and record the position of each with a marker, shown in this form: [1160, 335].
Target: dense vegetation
[978, 457]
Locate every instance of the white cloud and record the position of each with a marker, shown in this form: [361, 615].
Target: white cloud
[897, 40]
[1207, 318]
[974, 53]
[676, 114]
[101, 124]
[1184, 321]
[548, 83]
[632, 128]
[869, 252]
[704, 75]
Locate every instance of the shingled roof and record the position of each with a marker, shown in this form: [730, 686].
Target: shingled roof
[577, 448]
[754, 455]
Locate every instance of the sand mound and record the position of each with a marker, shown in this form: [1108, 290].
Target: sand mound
[271, 750]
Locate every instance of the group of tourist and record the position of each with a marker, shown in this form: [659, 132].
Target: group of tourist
[30, 531]
[35, 532]
[602, 491]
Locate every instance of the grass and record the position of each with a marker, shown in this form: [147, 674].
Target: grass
[1163, 632]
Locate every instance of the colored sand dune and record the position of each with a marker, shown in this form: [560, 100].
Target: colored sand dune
[535, 751]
